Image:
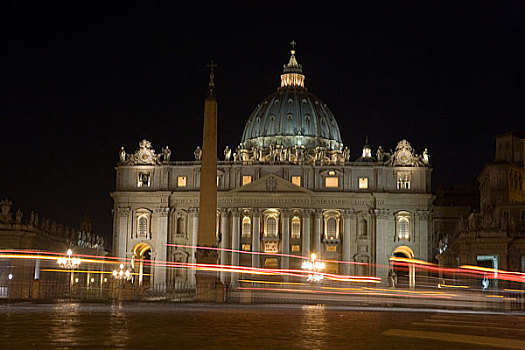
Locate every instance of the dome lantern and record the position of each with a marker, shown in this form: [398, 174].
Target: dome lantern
[292, 73]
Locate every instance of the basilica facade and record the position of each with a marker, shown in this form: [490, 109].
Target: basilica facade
[289, 189]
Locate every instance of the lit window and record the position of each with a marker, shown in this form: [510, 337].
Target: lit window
[296, 227]
[270, 263]
[142, 223]
[363, 183]
[403, 227]
[271, 226]
[331, 182]
[331, 248]
[182, 181]
[331, 173]
[246, 179]
[296, 180]
[143, 180]
[296, 248]
[246, 227]
[331, 228]
[403, 181]
[246, 247]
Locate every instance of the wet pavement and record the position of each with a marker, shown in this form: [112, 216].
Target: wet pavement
[199, 326]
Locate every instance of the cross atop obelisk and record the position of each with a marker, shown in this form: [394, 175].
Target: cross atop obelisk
[211, 84]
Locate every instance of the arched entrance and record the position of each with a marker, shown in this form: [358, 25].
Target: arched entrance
[406, 275]
[141, 264]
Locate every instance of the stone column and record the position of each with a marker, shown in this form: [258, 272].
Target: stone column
[306, 233]
[285, 262]
[123, 232]
[385, 240]
[159, 225]
[225, 242]
[194, 216]
[236, 215]
[347, 239]
[256, 237]
[318, 229]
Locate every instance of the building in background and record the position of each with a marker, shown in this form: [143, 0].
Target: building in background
[494, 235]
[19, 233]
[290, 188]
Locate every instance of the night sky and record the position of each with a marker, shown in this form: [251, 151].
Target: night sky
[79, 82]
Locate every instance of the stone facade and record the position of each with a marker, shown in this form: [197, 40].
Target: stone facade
[494, 235]
[289, 188]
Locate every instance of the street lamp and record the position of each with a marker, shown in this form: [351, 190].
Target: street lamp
[315, 267]
[70, 264]
[122, 274]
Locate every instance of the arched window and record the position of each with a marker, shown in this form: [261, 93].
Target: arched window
[142, 228]
[296, 228]
[142, 223]
[181, 226]
[403, 226]
[271, 226]
[246, 227]
[331, 228]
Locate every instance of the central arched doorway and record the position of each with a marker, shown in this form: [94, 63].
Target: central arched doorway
[141, 264]
[405, 274]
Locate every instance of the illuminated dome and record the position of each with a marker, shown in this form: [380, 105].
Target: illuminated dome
[292, 116]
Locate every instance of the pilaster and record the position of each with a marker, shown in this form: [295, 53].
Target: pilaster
[256, 237]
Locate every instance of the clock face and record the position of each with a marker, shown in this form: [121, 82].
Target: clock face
[403, 157]
[144, 156]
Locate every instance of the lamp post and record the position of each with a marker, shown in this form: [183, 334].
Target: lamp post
[122, 276]
[70, 264]
[315, 267]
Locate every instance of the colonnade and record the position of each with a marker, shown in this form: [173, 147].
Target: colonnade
[312, 231]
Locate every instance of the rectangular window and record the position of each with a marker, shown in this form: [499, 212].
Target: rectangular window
[296, 180]
[506, 214]
[331, 182]
[403, 181]
[270, 263]
[331, 248]
[143, 180]
[182, 181]
[296, 228]
[246, 179]
[246, 247]
[363, 183]
[522, 215]
[296, 248]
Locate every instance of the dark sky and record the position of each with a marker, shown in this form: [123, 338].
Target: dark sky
[79, 82]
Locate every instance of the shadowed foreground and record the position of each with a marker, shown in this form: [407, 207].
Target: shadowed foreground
[198, 326]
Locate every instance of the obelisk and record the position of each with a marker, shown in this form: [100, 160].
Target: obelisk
[207, 283]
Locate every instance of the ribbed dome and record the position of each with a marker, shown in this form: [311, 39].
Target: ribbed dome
[292, 116]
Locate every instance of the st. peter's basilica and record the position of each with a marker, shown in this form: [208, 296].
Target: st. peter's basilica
[290, 188]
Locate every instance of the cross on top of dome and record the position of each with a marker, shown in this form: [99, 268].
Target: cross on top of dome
[292, 71]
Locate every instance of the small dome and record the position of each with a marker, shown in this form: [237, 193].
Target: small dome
[292, 116]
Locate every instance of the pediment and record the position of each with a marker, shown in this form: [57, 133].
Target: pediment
[272, 184]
